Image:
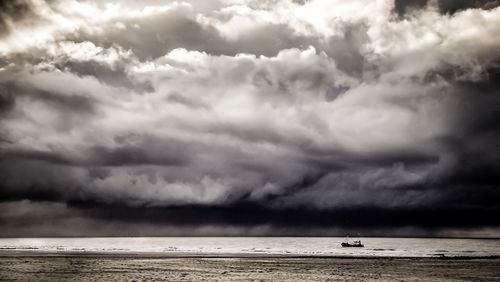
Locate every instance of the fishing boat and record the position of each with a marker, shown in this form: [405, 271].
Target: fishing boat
[355, 243]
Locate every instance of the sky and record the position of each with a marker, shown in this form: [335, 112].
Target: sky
[250, 118]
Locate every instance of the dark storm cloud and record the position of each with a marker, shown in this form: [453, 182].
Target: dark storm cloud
[29, 219]
[114, 77]
[186, 101]
[404, 6]
[13, 11]
[165, 155]
[346, 49]
[275, 117]
[445, 6]
[6, 100]
[248, 215]
[70, 103]
[478, 133]
[176, 29]
[179, 28]
[453, 6]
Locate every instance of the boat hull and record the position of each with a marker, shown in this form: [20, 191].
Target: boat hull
[347, 245]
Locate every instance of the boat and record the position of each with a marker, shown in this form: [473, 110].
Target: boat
[356, 243]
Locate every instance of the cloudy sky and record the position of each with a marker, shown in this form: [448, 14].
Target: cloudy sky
[250, 117]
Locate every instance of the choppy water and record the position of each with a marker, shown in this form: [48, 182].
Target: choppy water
[384, 247]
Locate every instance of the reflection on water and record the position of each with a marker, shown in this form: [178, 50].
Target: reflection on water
[386, 247]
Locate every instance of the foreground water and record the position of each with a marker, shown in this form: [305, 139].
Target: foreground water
[374, 247]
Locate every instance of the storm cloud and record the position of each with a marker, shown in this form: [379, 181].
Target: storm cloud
[250, 117]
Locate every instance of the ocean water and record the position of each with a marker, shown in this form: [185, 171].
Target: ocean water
[308, 246]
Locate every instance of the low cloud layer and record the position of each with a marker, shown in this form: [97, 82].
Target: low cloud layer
[280, 117]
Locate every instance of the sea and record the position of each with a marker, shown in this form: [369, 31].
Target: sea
[298, 246]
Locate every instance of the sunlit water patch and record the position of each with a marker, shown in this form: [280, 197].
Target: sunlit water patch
[373, 247]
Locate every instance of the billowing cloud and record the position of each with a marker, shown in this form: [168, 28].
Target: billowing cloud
[288, 110]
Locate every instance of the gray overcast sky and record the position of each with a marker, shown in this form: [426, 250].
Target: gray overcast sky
[249, 117]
